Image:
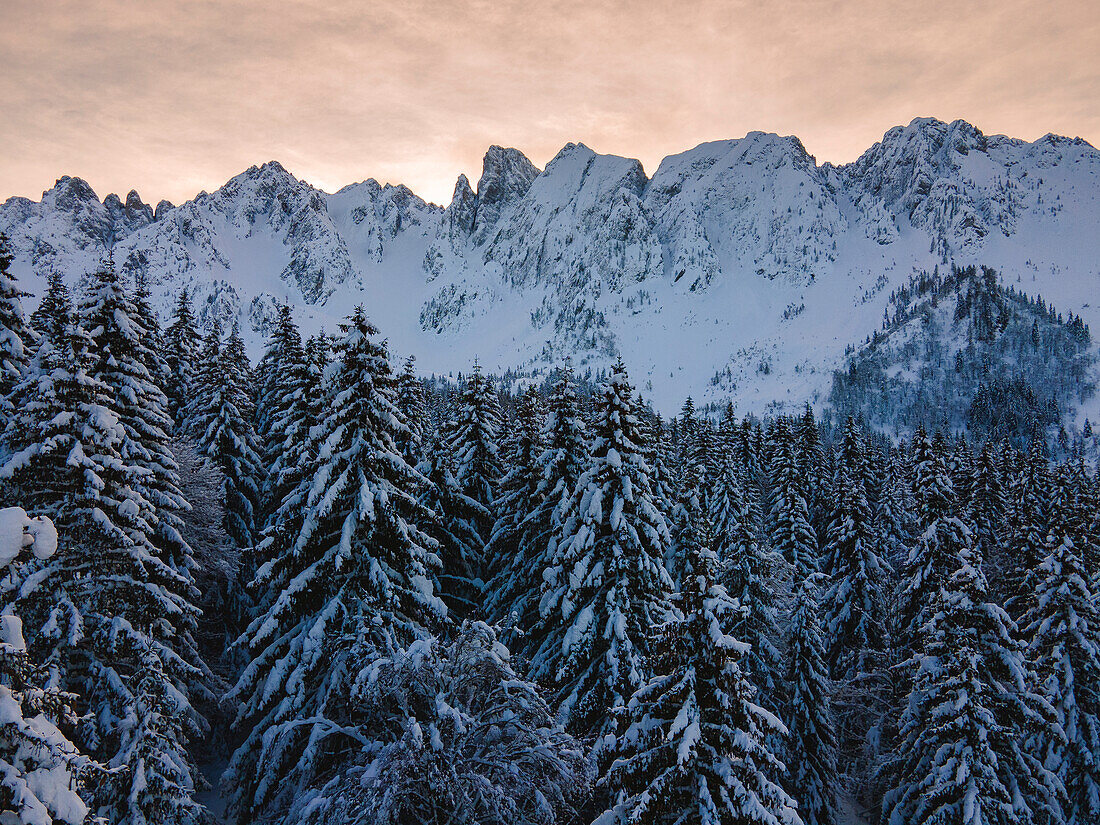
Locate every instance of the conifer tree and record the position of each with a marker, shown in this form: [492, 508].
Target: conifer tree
[1063, 627]
[54, 310]
[454, 526]
[282, 348]
[893, 513]
[461, 737]
[1029, 522]
[121, 330]
[286, 410]
[514, 539]
[811, 741]
[410, 398]
[943, 535]
[475, 448]
[557, 469]
[748, 570]
[855, 598]
[608, 584]
[962, 757]
[222, 424]
[689, 518]
[182, 344]
[695, 746]
[986, 512]
[15, 335]
[41, 771]
[355, 583]
[789, 521]
[102, 609]
[810, 457]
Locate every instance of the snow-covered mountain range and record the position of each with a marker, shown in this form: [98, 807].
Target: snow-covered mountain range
[741, 269]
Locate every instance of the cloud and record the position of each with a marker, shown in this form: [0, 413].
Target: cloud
[173, 97]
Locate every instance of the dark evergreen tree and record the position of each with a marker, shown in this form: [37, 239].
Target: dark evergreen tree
[748, 572]
[855, 598]
[789, 521]
[475, 451]
[1029, 522]
[1063, 627]
[695, 746]
[410, 398]
[181, 357]
[963, 757]
[16, 337]
[811, 740]
[454, 526]
[222, 424]
[514, 543]
[355, 584]
[41, 771]
[986, 512]
[54, 310]
[608, 585]
[942, 537]
[103, 610]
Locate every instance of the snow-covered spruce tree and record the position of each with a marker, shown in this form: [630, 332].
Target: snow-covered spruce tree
[855, 597]
[658, 453]
[748, 570]
[54, 310]
[1028, 525]
[410, 398]
[355, 583]
[15, 334]
[41, 770]
[607, 585]
[942, 536]
[1063, 627]
[558, 467]
[283, 345]
[101, 608]
[788, 519]
[962, 756]
[182, 345]
[203, 386]
[986, 511]
[286, 410]
[695, 746]
[222, 427]
[857, 629]
[689, 520]
[118, 336]
[454, 522]
[475, 447]
[893, 512]
[810, 457]
[811, 739]
[154, 342]
[514, 540]
[461, 738]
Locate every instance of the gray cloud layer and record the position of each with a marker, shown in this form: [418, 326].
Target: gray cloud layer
[173, 97]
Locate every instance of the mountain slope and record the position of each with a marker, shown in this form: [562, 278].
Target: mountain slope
[742, 269]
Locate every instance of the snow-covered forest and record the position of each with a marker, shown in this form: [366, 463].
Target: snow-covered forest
[326, 589]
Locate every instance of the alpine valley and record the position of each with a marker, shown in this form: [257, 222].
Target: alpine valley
[740, 270]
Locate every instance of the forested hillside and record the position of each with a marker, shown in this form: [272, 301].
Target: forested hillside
[964, 351]
[379, 598]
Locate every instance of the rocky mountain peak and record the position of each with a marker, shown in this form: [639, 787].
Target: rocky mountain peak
[506, 176]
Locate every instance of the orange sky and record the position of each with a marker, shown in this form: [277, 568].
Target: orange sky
[174, 97]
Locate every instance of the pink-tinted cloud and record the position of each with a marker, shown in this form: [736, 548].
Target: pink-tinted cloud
[174, 97]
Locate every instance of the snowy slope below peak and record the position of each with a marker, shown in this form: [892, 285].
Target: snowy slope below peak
[741, 270]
